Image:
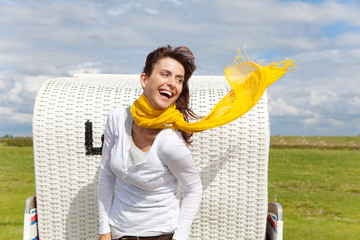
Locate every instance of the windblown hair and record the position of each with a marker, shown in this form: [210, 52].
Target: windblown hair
[184, 56]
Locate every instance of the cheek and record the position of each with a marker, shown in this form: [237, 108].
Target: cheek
[179, 94]
[180, 89]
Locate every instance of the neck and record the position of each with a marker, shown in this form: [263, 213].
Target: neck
[143, 137]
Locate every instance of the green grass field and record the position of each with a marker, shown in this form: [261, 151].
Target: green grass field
[318, 189]
[17, 182]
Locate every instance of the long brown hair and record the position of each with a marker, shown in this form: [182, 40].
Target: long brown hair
[184, 56]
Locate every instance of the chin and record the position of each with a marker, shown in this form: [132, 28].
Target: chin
[162, 105]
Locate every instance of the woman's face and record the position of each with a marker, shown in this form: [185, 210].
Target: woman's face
[165, 84]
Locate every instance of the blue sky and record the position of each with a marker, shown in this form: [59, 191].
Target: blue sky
[41, 39]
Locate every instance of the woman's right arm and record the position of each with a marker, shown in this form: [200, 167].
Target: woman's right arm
[106, 181]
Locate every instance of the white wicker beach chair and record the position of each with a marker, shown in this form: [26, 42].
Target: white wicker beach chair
[232, 160]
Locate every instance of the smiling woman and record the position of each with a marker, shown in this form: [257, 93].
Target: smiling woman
[145, 152]
[147, 163]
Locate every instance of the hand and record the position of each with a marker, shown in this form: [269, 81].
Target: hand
[106, 236]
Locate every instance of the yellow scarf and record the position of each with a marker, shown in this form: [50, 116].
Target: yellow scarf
[248, 81]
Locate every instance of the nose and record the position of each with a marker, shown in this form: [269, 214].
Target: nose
[171, 82]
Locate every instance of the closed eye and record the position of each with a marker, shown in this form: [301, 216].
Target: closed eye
[180, 80]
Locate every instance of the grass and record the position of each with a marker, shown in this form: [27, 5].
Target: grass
[17, 183]
[318, 189]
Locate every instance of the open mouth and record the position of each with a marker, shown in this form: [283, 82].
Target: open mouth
[165, 93]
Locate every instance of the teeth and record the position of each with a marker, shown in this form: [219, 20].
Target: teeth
[167, 93]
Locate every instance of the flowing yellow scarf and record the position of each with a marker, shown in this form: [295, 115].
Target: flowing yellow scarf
[248, 81]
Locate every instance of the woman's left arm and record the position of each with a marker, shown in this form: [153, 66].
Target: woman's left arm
[186, 173]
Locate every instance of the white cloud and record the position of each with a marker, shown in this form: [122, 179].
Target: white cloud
[314, 119]
[348, 39]
[5, 82]
[87, 67]
[318, 97]
[5, 111]
[279, 107]
[15, 117]
[119, 10]
[2, 85]
[21, 118]
[296, 24]
[16, 88]
[151, 7]
[355, 100]
[320, 56]
[33, 83]
[336, 122]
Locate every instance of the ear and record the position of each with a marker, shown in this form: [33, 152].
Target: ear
[143, 80]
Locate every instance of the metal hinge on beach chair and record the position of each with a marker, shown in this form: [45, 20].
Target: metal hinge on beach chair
[30, 220]
[274, 227]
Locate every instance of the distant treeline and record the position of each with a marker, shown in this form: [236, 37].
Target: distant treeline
[17, 141]
[283, 142]
[317, 142]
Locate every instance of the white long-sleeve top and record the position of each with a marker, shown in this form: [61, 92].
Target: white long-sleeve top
[143, 198]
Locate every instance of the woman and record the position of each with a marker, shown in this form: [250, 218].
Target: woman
[142, 164]
[141, 167]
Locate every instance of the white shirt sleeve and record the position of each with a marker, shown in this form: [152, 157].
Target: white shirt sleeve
[185, 171]
[106, 179]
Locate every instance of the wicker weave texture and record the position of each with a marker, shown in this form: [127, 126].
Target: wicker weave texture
[232, 160]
